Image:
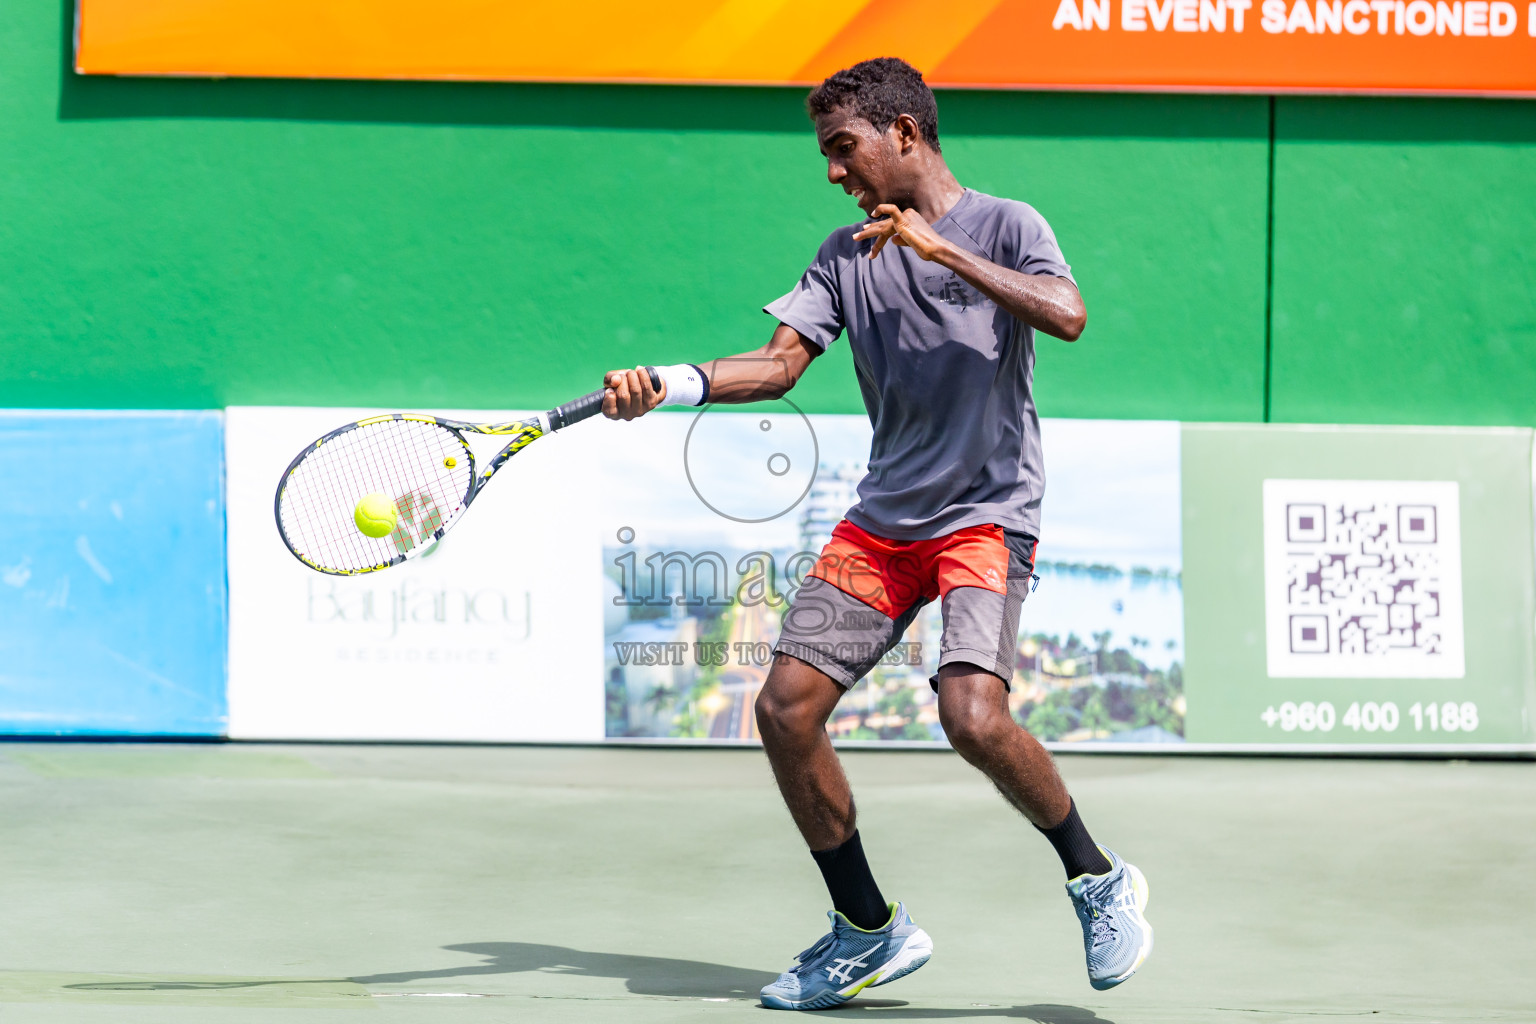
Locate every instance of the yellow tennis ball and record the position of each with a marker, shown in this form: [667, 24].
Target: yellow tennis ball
[375, 515]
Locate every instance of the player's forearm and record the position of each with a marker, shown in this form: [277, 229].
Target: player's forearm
[1049, 304]
[761, 375]
[749, 377]
[765, 374]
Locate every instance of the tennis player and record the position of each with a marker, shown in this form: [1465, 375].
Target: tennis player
[940, 291]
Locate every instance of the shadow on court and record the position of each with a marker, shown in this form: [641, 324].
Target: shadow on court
[642, 975]
[662, 976]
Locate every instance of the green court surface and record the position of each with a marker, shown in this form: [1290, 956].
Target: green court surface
[246, 883]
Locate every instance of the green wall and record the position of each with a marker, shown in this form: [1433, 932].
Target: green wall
[1405, 261]
[194, 243]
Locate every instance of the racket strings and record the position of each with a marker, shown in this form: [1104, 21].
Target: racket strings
[406, 460]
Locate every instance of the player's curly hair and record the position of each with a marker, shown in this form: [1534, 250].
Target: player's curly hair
[879, 91]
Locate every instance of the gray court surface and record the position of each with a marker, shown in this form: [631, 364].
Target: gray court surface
[245, 883]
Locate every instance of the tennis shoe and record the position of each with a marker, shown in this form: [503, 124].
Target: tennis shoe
[847, 960]
[1112, 908]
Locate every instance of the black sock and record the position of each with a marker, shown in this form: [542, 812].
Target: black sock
[854, 892]
[1075, 846]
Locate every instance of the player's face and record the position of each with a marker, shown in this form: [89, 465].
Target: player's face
[862, 161]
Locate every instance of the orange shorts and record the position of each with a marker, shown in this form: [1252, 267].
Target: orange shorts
[891, 575]
[865, 590]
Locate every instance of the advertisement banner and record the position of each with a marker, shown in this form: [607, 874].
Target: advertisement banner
[494, 636]
[112, 600]
[1200, 586]
[1410, 46]
[1359, 586]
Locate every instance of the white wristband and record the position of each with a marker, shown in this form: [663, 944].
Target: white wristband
[686, 384]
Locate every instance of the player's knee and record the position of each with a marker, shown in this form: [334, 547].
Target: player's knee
[971, 727]
[778, 717]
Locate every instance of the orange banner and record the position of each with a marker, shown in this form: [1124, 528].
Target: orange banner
[1424, 46]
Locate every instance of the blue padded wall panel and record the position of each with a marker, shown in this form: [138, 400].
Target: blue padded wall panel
[112, 573]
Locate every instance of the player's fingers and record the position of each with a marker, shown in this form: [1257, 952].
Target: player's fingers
[629, 405]
[612, 380]
[879, 244]
[621, 390]
[649, 396]
[637, 401]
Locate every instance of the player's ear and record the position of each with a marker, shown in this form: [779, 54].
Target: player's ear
[908, 133]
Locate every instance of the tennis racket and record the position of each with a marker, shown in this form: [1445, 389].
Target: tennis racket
[422, 462]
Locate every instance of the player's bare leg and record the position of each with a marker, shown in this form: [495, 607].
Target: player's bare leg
[1109, 895]
[871, 942]
[973, 708]
[792, 712]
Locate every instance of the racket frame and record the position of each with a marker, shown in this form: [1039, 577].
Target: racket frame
[526, 432]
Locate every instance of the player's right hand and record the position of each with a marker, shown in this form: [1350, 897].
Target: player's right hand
[629, 394]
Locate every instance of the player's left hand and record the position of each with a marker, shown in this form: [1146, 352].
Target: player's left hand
[904, 227]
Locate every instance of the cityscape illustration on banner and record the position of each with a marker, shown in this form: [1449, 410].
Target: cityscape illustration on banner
[1410, 46]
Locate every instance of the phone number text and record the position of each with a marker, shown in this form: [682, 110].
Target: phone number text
[1321, 716]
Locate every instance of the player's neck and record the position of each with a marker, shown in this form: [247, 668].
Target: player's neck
[936, 191]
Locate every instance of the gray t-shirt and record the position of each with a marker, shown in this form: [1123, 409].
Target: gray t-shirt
[944, 371]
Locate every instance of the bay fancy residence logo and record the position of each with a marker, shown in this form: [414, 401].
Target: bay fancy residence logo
[409, 609]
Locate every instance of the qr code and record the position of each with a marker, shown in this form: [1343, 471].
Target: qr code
[1362, 578]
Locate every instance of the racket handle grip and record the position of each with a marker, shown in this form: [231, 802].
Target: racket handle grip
[588, 406]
